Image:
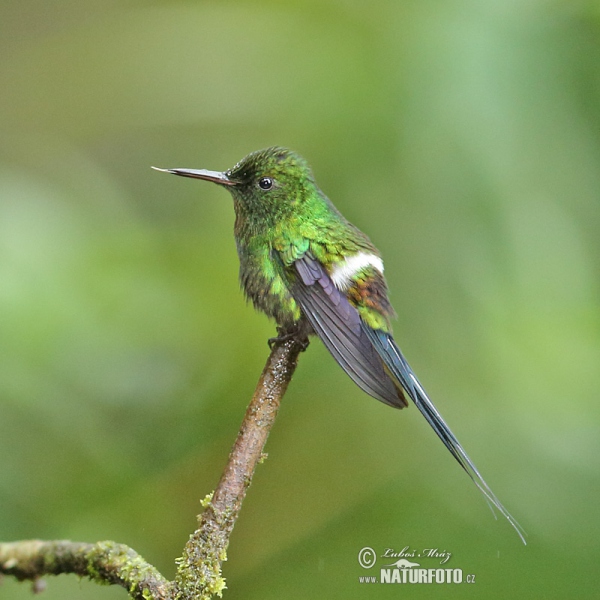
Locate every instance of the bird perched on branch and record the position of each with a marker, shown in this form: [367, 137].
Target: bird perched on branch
[303, 264]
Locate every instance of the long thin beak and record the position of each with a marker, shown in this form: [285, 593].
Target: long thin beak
[215, 176]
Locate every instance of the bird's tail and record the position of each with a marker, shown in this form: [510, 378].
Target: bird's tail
[401, 371]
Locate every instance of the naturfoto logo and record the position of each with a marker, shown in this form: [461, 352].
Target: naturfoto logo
[406, 570]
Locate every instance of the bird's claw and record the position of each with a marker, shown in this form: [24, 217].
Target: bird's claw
[284, 336]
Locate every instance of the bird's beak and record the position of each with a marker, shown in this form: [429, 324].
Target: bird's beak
[214, 176]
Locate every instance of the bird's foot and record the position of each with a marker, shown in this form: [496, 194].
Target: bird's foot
[290, 334]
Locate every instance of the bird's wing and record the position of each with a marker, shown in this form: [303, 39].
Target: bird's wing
[394, 360]
[340, 327]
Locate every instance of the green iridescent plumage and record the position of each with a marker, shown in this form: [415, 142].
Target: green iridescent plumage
[303, 264]
[277, 226]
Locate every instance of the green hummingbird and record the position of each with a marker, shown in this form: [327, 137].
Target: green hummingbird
[303, 264]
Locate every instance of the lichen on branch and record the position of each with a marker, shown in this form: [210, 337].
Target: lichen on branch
[103, 562]
[199, 568]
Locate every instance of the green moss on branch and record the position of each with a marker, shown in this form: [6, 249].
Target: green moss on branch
[103, 562]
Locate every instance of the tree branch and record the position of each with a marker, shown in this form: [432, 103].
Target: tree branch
[199, 572]
[103, 562]
[199, 569]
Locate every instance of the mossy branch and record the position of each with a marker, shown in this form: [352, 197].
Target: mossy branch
[199, 569]
[103, 562]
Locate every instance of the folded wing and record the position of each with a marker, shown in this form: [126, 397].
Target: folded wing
[339, 326]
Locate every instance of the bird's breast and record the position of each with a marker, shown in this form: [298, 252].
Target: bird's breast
[263, 284]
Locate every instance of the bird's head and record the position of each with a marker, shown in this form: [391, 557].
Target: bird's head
[266, 184]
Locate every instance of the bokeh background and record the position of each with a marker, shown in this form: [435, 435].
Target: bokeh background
[463, 136]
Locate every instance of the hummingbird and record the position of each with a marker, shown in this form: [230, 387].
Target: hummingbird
[303, 264]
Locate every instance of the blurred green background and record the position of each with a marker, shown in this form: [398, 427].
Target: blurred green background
[463, 136]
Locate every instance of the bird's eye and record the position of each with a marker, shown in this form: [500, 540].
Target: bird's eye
[265, 183]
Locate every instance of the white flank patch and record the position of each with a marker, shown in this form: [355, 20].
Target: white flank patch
[342, 272]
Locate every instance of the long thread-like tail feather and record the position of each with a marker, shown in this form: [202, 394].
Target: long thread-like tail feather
[400, 370]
